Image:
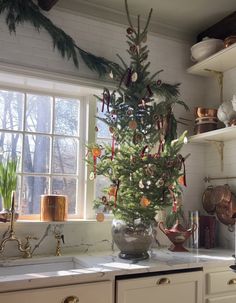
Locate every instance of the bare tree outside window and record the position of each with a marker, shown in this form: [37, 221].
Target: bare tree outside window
[44, 132]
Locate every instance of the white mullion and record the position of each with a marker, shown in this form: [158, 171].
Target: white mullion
[90, 184]
[80, 187]
[22, 146]
[51, 144]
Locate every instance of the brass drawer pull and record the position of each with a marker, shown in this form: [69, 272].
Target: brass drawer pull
[163, 281]
[71, 299]
[232, 282]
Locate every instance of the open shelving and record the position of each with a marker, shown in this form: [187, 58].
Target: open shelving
[218, 135]
[220, 61]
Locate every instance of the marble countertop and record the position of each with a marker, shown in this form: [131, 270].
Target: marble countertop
[107, 265]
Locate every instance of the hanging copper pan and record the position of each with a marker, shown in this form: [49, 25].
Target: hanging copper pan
[207, 203]
[224, 215]
[221, 194]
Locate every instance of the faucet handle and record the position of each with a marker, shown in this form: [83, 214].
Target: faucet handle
[27, 246]
[63, 239]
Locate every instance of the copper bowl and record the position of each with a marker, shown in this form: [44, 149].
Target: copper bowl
[201, 112]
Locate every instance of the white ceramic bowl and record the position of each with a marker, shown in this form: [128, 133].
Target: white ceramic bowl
[206, 48]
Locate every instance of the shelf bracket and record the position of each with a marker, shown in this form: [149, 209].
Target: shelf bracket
[220, 78]
[220, 148]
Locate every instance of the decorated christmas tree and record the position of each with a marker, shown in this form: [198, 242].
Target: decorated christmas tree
[143, 163]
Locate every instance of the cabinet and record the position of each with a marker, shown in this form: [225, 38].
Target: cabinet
[220, 286]
[99, 292]
[179, 287]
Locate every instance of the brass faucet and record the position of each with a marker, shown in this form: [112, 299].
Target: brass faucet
[59, 237]
[11, 236]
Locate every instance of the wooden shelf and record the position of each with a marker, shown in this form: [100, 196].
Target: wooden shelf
[218, 135]
[221, 62]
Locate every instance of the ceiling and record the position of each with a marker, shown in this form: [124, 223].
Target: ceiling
[176, 18]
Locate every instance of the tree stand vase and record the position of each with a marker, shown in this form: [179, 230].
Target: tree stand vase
[134, 241]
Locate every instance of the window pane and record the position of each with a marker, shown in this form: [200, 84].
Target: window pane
[103, 129]
[38, 113]
[36, 154]
[10, 145]
[65, 155]
[11, 110]
[32, 187]
[66, 186]
[66, 117]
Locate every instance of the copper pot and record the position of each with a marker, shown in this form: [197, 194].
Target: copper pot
[54, 208]
[229, 41]
[201, 112]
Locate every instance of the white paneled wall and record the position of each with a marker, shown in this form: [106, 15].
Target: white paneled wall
[29, 48]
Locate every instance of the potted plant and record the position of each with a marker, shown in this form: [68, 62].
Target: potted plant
[143, 163]
[8, 181]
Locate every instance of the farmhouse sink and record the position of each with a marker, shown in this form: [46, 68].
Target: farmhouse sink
[39, 265]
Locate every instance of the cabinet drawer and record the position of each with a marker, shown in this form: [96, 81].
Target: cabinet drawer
[99, 292]
[220, 282]
[181, 287]
[226, 299]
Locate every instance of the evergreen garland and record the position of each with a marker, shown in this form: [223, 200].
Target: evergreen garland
[26, 11]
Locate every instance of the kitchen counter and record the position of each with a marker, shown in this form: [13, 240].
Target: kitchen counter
[107, 265]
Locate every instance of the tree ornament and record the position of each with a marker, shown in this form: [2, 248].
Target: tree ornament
[113, 112]
[134, 77]
[150, 170]
[159, 82]
[112, 191]
[111, 74]
[170, 163]
[142, 103]
[104, 200]
[129, 31]
[160, 182]
[111, 129]
[96, 151]
[133, 49]
[149, 91]
[133, 124]
[129, 111]
[140, 184]
[132, 159]
[145, 202]
[138, 137]
[100, 217]
[106, 99]
[181, 180]
[91, 176]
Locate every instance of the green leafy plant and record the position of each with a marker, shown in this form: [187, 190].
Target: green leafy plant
[8, 181]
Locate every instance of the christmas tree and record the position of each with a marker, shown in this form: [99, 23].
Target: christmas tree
[143, 162]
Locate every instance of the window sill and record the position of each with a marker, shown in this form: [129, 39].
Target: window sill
[69, 221]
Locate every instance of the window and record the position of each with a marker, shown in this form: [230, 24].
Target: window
[44, 132]
[103, 136]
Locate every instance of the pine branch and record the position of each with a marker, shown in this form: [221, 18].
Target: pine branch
[26, 11]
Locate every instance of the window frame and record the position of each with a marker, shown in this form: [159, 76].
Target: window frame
[87, 120]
